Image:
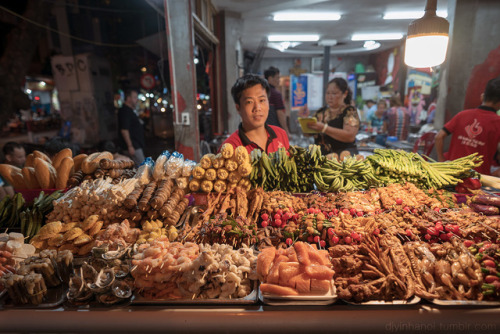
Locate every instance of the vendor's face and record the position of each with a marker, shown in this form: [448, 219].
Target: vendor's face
[17, 157]
[253, 107]
[334, 96]
[274, 80]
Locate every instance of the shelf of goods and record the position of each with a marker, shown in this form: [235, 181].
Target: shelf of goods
[241, 242]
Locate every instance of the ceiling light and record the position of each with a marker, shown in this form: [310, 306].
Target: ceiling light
[377, 37]
[411, 15]
[427, 39]
[371, 45]
[293, 38]
[311, 16]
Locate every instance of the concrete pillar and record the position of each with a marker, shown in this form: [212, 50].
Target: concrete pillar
[62, 25]
[180, 37]
[473, 56]
[228, 29]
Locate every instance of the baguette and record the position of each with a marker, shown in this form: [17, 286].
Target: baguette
[42, 156]
[30, 160]
[11, 175]
[60, 156]
[91, 163]
[18, 179]
[63, 172]
[42, 173]
[78, 161]
[30, 178]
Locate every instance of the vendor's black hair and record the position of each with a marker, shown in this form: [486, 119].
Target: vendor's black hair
[10, 146]
[492, 91]
[343, 87]
[248, 81]
[271, 72]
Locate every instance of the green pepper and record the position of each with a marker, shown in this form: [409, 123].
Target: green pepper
[485, 270]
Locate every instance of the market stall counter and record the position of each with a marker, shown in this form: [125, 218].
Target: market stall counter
[258, 319]
[287, 241]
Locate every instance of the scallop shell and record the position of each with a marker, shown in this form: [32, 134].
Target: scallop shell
[49, 230]
[72, 234]
[88, 223]
[82, 240]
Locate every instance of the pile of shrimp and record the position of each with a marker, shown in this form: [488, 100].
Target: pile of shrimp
[117, 235]
[165, 270]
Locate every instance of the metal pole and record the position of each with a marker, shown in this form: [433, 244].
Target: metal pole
[326, 70]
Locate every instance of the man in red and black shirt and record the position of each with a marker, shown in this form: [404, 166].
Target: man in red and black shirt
[277, 113]
[474, 130]
[251, 96]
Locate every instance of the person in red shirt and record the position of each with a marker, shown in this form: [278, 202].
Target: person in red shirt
[251, 97]
[474, 130]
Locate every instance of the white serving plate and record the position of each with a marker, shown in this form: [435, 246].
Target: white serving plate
[412, 301]
[313, 299]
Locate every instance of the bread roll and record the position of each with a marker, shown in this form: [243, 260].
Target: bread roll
[60, 156]
[30, 178]
[78, 161]
[63, 172]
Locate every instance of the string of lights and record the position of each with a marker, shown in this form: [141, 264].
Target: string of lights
[66, 34]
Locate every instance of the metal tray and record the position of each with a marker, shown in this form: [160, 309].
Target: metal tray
[302, 300]
[247, 300]
[414, 300]
[54, 298]
[478, 303]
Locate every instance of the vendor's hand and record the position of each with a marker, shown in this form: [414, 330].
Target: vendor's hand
[318, 126]
[131, 151]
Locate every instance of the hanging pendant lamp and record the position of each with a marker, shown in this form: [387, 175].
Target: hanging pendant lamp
[427, 40]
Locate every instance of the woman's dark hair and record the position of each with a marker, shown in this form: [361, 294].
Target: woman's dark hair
[343, 87]
[248, 81]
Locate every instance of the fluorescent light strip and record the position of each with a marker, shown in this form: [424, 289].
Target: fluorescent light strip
[311, 16]
[411, 15]
[293, 38]
[377, 37]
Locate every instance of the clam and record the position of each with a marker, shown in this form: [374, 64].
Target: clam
[121, 270]
[121, 289]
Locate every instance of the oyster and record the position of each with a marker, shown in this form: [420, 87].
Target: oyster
[116, 254]
[105, 278]
[121, 289]
[88, 273]
[121, 270]
[97, 252]
[108, 299]
[77, 291]
[103, 281]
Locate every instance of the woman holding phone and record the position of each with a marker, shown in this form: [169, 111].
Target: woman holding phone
[338, 121]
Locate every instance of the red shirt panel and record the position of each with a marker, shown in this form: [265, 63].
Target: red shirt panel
[276, 138]
[474, 130]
